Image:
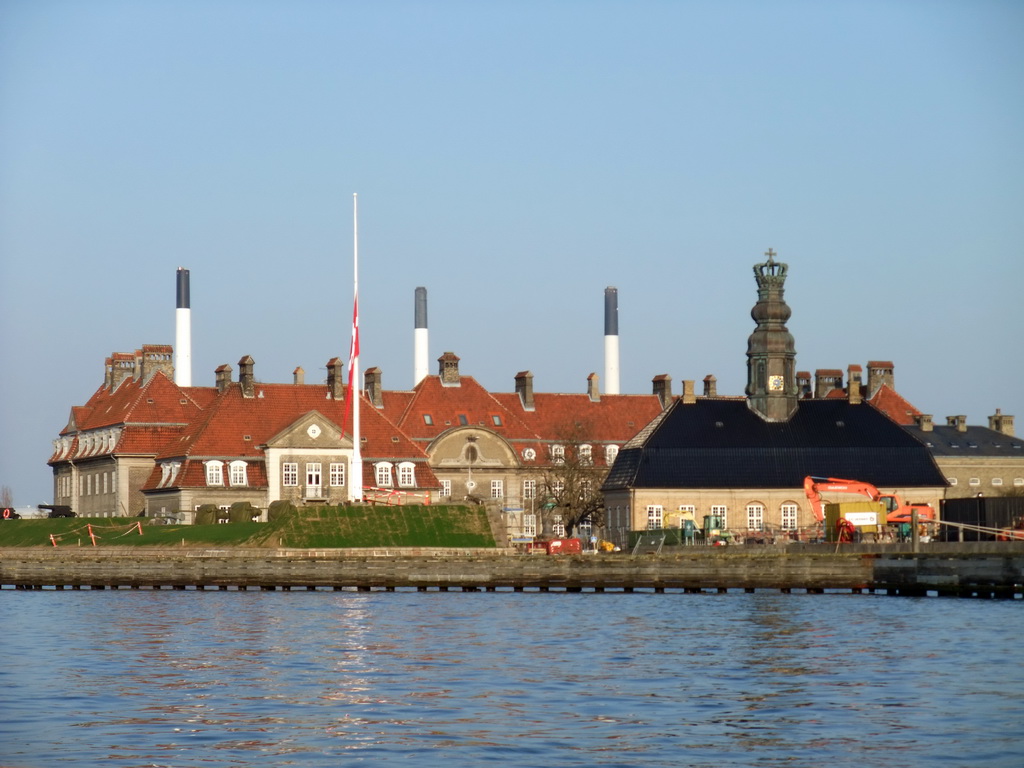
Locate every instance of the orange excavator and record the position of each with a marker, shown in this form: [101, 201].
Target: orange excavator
[896, 510]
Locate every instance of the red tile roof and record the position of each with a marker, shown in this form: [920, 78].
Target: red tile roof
[894, 405]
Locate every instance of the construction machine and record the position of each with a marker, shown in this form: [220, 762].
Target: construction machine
[896, 511]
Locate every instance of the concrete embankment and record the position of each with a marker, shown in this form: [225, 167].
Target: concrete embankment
[995, 570]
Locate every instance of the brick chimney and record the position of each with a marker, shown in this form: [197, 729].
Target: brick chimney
[710, 386]
[803, 383]
[223, 374]
[960, 422]
[593, 391]
[298, 377]
[1000, 422]
[689, 396]
[448, 370]
[153, 358]
[245, 376]
[372, 384]
[524, 388]
[120, 366]
[662, 387]
[335, 379]
[853, 393]
[825, 380]
[879, 372]
[924, 421]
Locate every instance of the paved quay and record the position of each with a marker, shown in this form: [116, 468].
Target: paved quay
[973, 570]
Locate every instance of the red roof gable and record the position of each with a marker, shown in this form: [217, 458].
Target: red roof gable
[894, 405]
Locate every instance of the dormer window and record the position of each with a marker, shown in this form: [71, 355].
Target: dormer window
[238, 473]
[586, 453]
[407, 475]
[215, 473]
[529, 454]
[558, 454]
[383, 474]
[610, 452]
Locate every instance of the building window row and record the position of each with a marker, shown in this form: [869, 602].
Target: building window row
[237, 473]
[384, 472]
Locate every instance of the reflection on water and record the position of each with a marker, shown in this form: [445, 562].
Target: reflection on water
[271, 678]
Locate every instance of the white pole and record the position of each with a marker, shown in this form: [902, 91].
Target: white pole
[355, 380]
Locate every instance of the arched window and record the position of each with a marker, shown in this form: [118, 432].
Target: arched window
[407, 475]
[789, 512]
[755, 517]
[215, 473]
[238, 473]
[383, 474]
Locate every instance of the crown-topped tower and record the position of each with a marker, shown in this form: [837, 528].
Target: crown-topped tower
[771, 355]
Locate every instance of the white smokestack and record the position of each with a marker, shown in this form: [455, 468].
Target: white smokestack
[183, 332]
[611, 340]
[420, 365]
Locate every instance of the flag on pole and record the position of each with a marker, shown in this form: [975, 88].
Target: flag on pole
[353, 362]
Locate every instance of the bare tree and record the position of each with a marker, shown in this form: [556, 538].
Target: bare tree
[6, 496]
[571, 482]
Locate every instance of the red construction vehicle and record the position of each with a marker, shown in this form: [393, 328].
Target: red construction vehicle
[896, 510]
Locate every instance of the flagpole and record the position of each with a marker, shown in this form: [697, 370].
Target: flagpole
[354, 383]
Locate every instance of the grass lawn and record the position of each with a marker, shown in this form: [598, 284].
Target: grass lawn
[320, 528]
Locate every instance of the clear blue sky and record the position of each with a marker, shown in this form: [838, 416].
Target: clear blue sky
[515, 158]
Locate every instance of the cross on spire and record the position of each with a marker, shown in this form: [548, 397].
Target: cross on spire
[770, 254]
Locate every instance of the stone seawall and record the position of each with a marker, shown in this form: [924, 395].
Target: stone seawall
[944, 571]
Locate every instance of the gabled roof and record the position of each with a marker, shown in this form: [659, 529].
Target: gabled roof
[971, 442]
[894, 405]
[611, 419]
[467, 404]
[723, 444]
[236, 426]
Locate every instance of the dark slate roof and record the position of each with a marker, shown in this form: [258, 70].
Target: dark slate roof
[723, 444]
[974, 441]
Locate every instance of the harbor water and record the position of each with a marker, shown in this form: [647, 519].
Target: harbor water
[323, 678]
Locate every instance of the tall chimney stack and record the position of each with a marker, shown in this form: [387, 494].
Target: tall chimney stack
[611, 340]
[183, 332]
[420, 364]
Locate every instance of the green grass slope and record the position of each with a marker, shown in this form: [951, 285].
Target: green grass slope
[318, 528]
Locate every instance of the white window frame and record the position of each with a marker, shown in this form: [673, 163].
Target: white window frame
[290, 474]
[586, 454]
[997, 481]
[557, 526]
[383, 475]
[215, 473]
[655, 517]
[790, 516]
[974, 481]
[610, 454]
[446, 488]
[529, 454]
[497, 489]
[951, 480]
[238, 474]
[529, 524]
[558, 454]
[530, 489]
[722, 511]
[1018, 481]
[755, 517]
[406, 475]
[337, 474]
